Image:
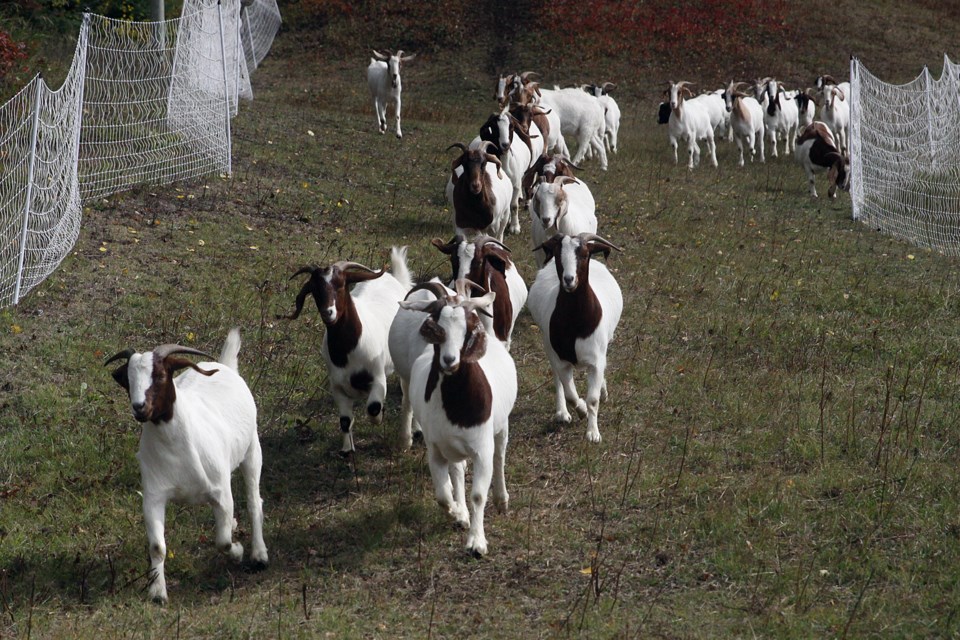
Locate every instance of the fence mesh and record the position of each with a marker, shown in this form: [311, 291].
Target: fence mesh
[905, 156]
[143, 103]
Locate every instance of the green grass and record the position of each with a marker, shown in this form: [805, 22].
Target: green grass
[779, 453]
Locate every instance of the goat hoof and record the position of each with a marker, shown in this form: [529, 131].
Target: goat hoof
[159, 600]
[593, 436]
[256, 566]
[562, 417]
[477, 549]
[502, 505]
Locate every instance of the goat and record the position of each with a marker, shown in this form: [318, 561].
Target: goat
[780, 116]
[690, 122]
[503, 130]
[806, 107]
[197, 429]
[565, 206]
[746, 120]
[406, 345]
[836, 112]
[581, 117]
[577, 303]
[480, 194]
[462, 392]
[357, 323]
[383, 78]
[611, 112]
[546, 168]
[487, 262]
[817, 151]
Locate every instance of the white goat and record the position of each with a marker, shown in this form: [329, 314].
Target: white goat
[719, 116]
[746, 120]
[581, 117]
[781, 116]
[836, 112]
[689, 122]
[577, 303]
[383, 77]
[197, 429]
[357, 323]
[406, 344]
[611, 112]
[462, 391]
[565, 206]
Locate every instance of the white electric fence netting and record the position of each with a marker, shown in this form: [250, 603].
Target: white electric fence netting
[905, 156]
[143, 103]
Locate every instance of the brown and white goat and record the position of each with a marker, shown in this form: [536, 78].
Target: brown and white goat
[462, 391]
[577, 303]
[816, 151]
[487, 262]
[545, 169]
[479, 191]
[357, 323]
[197, 429]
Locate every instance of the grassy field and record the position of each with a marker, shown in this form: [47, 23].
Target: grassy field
[779, 454]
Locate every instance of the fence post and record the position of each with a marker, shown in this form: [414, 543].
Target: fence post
[32, 159]
[855, 142]
[226, 86]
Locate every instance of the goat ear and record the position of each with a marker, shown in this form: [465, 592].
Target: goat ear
[496, 256]
[447, 247]
[120, 375]
[174, 364]
[476, 345]
[550, 246]
[432, 332]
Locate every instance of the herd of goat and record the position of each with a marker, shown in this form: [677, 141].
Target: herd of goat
[762, 111]
[449, 340]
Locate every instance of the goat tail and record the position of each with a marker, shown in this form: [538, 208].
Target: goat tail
[228, 355]
[399, 269]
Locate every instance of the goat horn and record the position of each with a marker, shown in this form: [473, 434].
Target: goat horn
[458, 145]
[609, 86]
[484, 239]
[302, 271]
[525, 76]
[399, 53]
[125, 354]
[434, 287]
[346, 265]
[165, 350]
[592, 237]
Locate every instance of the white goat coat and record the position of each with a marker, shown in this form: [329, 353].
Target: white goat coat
[191, 458]
[581, 118]
[383, 92]
[580, 214]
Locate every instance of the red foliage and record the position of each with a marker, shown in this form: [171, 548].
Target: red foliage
[10, 52]
[605, 27]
